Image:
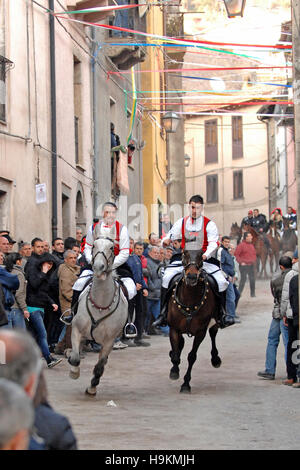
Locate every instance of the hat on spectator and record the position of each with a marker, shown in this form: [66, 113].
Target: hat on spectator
[10, 240]
[250, 212]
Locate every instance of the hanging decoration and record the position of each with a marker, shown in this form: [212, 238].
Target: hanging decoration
[187, 42]
[130, 143]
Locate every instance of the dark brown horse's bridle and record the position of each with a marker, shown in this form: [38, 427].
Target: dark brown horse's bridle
[189, 311]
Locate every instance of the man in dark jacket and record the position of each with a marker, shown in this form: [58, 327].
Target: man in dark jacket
[248, 220]
[277, 326]
[154, 286]
[136, 303]
[9, 284]
[294, 330]
[227, 266]
[37, 246]
[58, 249]
[38, 299]
[259, 223]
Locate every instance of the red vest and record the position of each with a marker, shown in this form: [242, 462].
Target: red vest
[205, 241]
[117, 239]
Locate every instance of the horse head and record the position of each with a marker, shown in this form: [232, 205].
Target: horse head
[235, 231]
[192, 262]
[103, 257]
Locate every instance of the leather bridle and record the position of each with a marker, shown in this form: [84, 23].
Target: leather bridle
[107, 259]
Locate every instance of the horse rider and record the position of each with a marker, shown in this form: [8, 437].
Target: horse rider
[276, 219]
[259, 223]
[261, 226]
[248, 220]
[196, 232]
[111, 228]
[292, 216]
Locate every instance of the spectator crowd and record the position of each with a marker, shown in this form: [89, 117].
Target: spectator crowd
[36, 288]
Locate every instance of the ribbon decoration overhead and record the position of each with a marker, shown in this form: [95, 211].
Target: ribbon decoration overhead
[196, 69]
[103, 9]
[175, 40]
[207, 104]
[236, 81]
[229, 113]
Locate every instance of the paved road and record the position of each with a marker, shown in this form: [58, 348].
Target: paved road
[228, 408]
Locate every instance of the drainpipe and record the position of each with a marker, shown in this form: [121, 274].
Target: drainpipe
[96, 124]
[53, 120]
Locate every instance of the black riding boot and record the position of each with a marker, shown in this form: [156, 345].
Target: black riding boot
[162, 317]
[74, 307]
[224, 320]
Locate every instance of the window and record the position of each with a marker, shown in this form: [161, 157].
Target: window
[238, 191]
[211, 141]
[212, 194]
[237, 136]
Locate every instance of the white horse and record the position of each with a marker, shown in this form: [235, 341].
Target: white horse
[102, 312]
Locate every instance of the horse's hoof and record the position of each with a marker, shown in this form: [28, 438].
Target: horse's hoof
[216, 362]
[74, 375]
[174, 375]
[185, 389]
[91, 392]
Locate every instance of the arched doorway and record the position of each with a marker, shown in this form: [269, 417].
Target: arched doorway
[80, 209]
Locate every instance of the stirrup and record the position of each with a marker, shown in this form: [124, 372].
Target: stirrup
[130, 330]
[67, 317]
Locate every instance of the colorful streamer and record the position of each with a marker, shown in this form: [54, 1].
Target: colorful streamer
[199, 69]
[134, 103]
[187, 42]
[103, 9]
[232, 103]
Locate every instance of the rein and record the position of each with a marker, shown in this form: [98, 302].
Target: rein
[96, 323]
[189, 311]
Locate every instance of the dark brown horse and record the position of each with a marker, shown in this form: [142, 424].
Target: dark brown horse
[275, 243]
[191, 309]
[260, 248]
[289, 238]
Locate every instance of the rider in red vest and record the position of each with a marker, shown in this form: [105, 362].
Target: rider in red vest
[107, 226]
[196, 232]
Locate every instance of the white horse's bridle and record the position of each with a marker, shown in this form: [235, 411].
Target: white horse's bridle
[107, 259]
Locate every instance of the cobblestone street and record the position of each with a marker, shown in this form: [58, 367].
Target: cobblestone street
[228, 408]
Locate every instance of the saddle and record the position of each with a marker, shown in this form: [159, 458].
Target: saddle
[123, 287]
[179, 276]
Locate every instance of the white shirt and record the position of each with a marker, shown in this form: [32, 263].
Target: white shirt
[196, 225]
[106, 230]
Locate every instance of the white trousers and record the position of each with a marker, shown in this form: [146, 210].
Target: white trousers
[212, 269]
[88, 274]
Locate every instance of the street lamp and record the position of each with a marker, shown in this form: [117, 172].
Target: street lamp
[235, 7]
[187, 160]
[170, 122]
